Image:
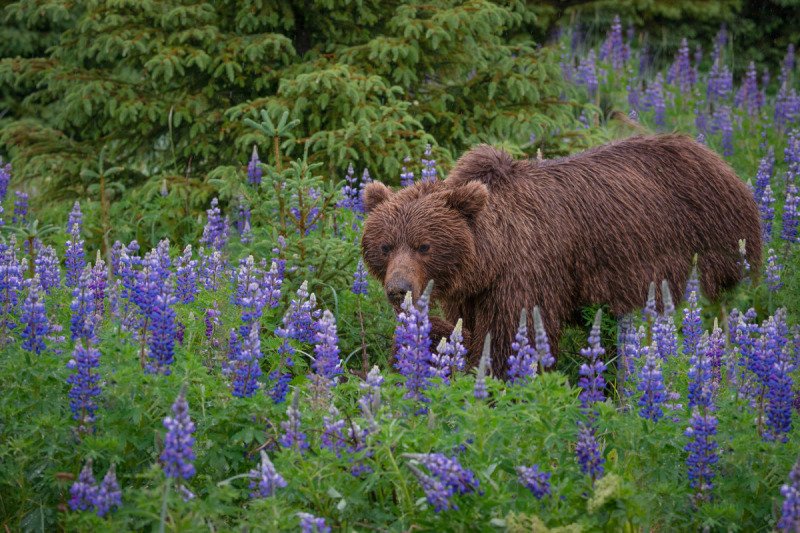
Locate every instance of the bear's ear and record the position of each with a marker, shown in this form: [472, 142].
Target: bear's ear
[374, 194]
[468, 199]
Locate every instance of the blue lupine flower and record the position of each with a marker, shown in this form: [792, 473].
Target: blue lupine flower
[10, 283]
[266, 480]
[327, 361]
[212, 269]
[271, 286]
[614, 49]
[360, 279]
[178, 455]
[693, 284]
[292, 436]
[680, 73]
[651, 385]
[587, 73]
[692, 325]
[406, 176]
[84, 491]
[215, 232]
[588, 453]
[649, 313]
[437, 493]
[186, 276]
[85, 384]
[75, 217]
[764, 174]
[780, 398]
[664, 334]
[247, 294]
[20, 208]
[333, 438]
[634, 97]
[98, 280]
[543, 352]
[790, 215]
[413, 343]
[108, 495]
[351, 193]
[280, 385]
[161, 342]
[429, 172]
[449, 356]
[5, 179]
[716, 353]
[749, 96]
[773, 271]
[245, 363]
[721, 121]
[591, 382]
[535, 480]
[703, 424]
[654, 99]
[300, 319]
[448, 470]
[480, 392]
[372, 391]
[522, 361]
[312, 524]
[74, 257]
[790, 511]
[628, 350]
[254, 170]
[48, 268]
[766, 206]
[34, 317]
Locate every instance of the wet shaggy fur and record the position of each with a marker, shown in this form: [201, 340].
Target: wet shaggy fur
[596, 228]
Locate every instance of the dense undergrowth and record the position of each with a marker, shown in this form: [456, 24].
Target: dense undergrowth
[689, 432]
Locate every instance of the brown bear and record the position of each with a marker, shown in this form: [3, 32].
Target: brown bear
[499, 235]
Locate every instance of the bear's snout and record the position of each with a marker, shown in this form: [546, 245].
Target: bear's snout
[402, 276]
[396, 290]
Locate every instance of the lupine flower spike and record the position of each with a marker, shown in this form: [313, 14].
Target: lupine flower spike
[543, 353]
[178, 456]
[480, 392]
[266, 480]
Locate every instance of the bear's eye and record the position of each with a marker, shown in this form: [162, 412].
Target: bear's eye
[424, 248]
[386, 248]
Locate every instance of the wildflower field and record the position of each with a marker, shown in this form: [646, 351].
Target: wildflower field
[245, 374]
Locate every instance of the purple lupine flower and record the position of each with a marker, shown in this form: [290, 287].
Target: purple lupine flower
[591, 381]
[292, 436]
[84, 491]
[773, 271]
[449, 356]
[271, 286]
[178, 455]
[429, 172]
[247, 294]
[535, 480]
[437, 493]
[587, 73]
[633, 90]
[447, 470]
[34, 317]
[254, 170]
[716, 353]
[680, 73]
[10, 283]
[243, 215]
[651, 385]
[211, 320]
[480, 392]
[186, 276]
[246, 236]
[212, 269]
[692, 325]
[790, 215]
[351, 194]
[20, 208]
[161, 342]
[522, 361]
[614, 48]
[693, 284]
[266, 480]
[766, 206]
[664, 334]
[5, 179]
[764, 174]
[215, 230]
[47, 268]
[413, 343]
[360, 279]
[280, 385]
[650, 313]
[312, 524]
[308, 225]
[371, 400]
[98, 280]
[333, 438]
[654, 99]
[74, 257]
[790, 511]
[779, 396]
[300, 319]
[749, 96]
[628, 349]
[721, 122]
[406, 176]
[85, 384]
[108, 495]
[702, 428]
[75, 216]
[327, 361]
[245, 363]
[588, 453]
[543, 352]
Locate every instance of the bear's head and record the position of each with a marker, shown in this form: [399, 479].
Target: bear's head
[421, 233]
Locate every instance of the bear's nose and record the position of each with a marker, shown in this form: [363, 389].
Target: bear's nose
[396, 290]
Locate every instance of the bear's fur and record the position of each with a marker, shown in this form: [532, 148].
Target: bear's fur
[499, 235]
